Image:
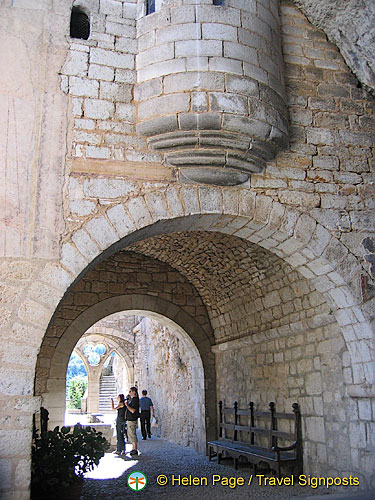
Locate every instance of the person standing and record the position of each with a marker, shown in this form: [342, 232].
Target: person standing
[120, 422]
[147, 407]
[131, 416]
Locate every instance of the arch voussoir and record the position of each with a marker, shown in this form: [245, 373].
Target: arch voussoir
[295, 237]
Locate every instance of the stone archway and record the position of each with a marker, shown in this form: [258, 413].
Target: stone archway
[165, 313]
[94, 372]
[293, 236]
[309, 248]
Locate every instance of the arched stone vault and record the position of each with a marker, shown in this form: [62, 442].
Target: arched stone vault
[51, 383]
[294, 237]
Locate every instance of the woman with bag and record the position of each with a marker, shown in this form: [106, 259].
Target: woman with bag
[120, 421]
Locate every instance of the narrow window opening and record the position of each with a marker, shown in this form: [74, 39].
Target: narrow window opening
[218, 2]
[79, 24]
[150, 7]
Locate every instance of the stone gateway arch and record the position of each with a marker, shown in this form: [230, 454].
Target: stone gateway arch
[208, 166]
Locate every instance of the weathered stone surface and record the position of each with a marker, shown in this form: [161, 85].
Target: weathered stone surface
[349, 27]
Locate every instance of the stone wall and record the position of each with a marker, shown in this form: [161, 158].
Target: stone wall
[305, 365]
[172, 373]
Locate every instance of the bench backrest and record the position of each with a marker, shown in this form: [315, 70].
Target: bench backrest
[258, 427]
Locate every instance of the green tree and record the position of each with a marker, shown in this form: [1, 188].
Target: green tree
[76, 389]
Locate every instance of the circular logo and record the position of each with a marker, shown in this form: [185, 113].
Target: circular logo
[137, 481]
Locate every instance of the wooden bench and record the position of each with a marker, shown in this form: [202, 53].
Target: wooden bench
[255, 435]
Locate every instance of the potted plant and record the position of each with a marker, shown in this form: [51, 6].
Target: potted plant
[60, 458]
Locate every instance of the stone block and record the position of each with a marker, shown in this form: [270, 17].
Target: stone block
[126, 111]
[174, 33]
[55, 276]
[241, 85]
[154, 55]
[190, 200]
[364, 410]
[111, 58]
[86, 137]
[357, 434]
[146, 41]
[161, 68]
[305, 228]
[108, 188]
[320, 136]
[315, 430]
[163, 105]
[306, 200]
[247, 203]
[96, 108]
[120, 220]
[255, 72]
[193, 80]
[22, 474]
[82, 207]
[119, 28]
[101, 231]
[101, 153]
[76, 63]
[199, 101]
[85, 244]
[240, 52]
[125, 76]
[212, 31]
[77, 109]
[226, 65]
[83, 87]
[111, 7]
[139, 212]
[211, 14]
[5, 473]
[229, 103]
[210, 199]
[319, 240]
[12, 442]
[148, 89]
[196, 63]
[115, 92]
[182, 15]
[255, 25]
[188, 48]
[174, 203]
[72, 260]
[158, 125]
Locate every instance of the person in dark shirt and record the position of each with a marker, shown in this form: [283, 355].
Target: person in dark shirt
[146, 407]
[120, 422]
[131, 416]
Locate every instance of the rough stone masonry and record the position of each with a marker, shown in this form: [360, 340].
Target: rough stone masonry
[211, 167]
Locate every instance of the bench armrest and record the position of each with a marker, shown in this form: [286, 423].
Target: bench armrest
[286, 448]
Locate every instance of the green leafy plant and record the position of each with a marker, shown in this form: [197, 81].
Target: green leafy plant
[76, 389]
[59, 457]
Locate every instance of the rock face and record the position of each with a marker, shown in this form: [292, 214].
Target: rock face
[167, 367]
[350, 25]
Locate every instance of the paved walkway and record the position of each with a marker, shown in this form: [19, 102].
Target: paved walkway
[159, 457]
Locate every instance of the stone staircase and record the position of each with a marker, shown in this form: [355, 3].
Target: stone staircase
[106, 392]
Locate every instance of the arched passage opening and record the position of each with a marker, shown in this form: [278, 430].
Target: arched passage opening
[262, 341]
[84, 306]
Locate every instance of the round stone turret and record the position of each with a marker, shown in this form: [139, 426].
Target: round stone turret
[210, 88]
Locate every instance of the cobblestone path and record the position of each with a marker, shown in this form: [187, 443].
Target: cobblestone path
[109, 480]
